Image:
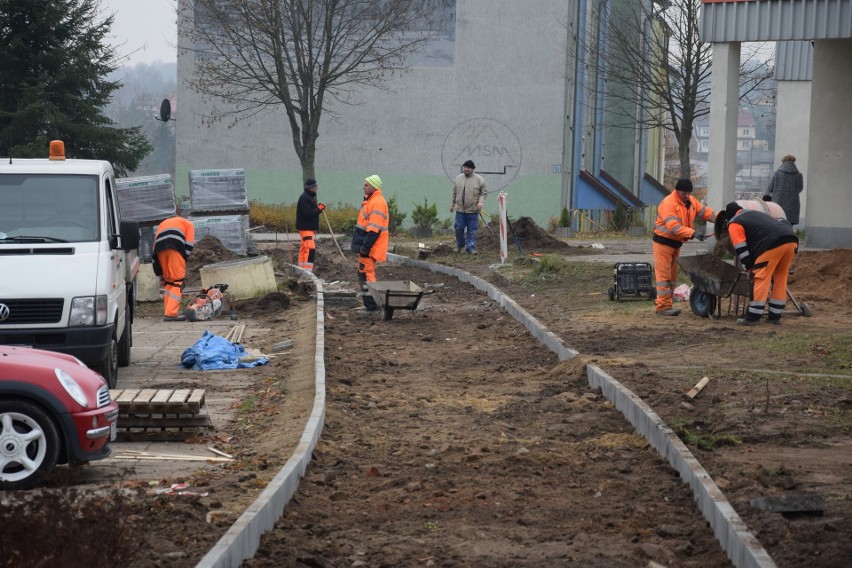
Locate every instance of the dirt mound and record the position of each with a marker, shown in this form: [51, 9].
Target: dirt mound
[264, 305]
[208, 250]
[823, 275]
[531, 238]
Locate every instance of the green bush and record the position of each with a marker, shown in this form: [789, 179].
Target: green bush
[565, 217]
[425, 216]
[619, 217]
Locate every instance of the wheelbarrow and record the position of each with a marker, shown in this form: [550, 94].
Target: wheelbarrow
[714, 279]
[393, 295]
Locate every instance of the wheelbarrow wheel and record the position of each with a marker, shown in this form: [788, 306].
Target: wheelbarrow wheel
[702, 303]
[806, 311]
[387, 313]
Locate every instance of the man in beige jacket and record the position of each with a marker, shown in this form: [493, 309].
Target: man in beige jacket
[469, 193]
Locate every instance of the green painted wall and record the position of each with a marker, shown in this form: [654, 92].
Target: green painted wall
[529, 196]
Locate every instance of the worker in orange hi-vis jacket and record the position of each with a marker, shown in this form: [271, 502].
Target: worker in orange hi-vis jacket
[370, 239]
[307, 223]
[676, 216]
[766, 246]
[173, 242]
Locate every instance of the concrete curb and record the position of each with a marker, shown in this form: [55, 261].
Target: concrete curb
[733, 535]
[243, 538]
[737, 541]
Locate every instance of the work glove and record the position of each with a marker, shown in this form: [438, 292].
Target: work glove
[321, 206]
[699, 236]
[767, 197]
[369, 240]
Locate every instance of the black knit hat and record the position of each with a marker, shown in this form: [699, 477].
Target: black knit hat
[731, 209]
[469, 164]
[683, 184]
[309, 183]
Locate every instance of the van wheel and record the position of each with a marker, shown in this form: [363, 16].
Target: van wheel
[30, 444]
[108, 366]
[125, 343]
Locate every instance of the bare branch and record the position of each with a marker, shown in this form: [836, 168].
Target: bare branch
[255, 56]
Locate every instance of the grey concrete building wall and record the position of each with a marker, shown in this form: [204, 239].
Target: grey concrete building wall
[792, 132]
[494, 92]
[829, 199]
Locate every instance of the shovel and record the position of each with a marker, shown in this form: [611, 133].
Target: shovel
[486, 224]
[517, 242]
[332, 235]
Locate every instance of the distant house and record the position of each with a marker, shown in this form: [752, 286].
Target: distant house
[746, 130]
[754, 158]
[746, 135]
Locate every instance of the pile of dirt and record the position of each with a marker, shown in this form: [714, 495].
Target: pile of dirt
[208, 250]
[258, 307]
[530, 235]
[823, 275]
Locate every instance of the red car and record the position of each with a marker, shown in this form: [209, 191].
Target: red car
[53, 409]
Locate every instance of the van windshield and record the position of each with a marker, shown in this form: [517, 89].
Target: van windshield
[55, 208]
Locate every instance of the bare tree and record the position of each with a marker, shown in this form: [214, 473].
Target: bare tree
[656, 63]
[258, 56]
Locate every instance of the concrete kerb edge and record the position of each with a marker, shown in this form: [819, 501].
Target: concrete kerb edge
[243, 538]
[736, 540]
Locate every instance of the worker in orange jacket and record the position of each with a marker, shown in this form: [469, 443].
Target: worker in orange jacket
[766, 246]
[676, 216]
[173, 242]
[370, 240]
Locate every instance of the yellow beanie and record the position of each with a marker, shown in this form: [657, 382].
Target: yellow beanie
[375, 181]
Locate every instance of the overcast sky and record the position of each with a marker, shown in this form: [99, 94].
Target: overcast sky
[145, 31]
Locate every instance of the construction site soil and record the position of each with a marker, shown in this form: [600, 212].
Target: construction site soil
[453, 438]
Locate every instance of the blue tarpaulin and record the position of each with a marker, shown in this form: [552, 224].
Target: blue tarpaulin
[213, 352]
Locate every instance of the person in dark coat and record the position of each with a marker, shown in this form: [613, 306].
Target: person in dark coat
[307, 223]
[784, 188]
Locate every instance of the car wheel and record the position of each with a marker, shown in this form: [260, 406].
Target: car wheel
[29, 444]
[702, 303]
[125, 343]
[108, 366]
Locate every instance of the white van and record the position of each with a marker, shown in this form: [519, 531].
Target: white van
[68, 262]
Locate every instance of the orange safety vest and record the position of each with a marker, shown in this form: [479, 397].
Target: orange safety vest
[374, 218]
[675, 220]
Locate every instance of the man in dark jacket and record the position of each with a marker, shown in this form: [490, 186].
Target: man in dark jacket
[767, 247]
[307, 223]
[784, 188]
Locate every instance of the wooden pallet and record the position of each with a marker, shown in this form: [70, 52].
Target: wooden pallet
[160, 414]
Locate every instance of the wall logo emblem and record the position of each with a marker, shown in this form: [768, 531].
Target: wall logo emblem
[492, 146]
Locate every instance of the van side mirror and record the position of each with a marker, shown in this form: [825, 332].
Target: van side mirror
[127, 238]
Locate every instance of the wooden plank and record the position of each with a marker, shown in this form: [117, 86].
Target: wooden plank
[154, 435]
[180, 396]
[162, 396]
[152, 401]
[148, 422]
[144, 396]
[693, 392]
[196, 399]
[126, 396]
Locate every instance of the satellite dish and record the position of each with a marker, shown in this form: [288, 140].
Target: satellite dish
[165, 110]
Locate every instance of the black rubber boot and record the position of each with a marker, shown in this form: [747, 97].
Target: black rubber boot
[367, 298]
